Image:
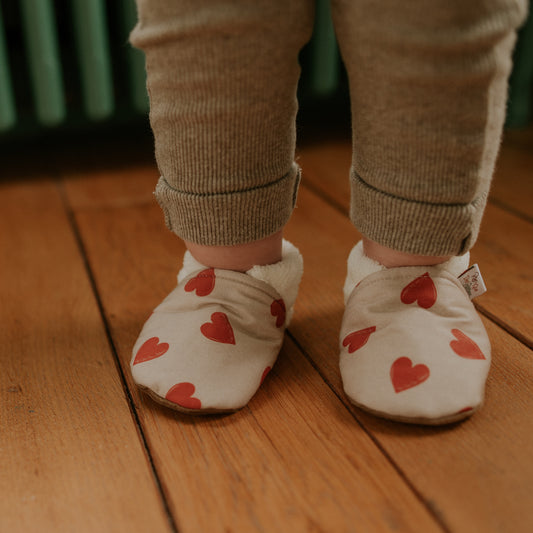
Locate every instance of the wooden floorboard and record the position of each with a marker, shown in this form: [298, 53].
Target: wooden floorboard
[70, 454]
[294, 460]
[299, 457]
[477, 476]
[512, 187]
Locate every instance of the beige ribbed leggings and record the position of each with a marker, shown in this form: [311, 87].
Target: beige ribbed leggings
[428, 86]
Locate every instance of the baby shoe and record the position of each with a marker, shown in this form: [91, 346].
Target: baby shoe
[210, 344]
[412, 346]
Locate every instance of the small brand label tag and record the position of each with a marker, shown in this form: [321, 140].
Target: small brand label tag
[473, 282]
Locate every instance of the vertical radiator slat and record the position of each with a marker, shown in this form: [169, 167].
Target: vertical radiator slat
[44, 60]
[90, 27]
[137, 73]
[8, 115]
[325, 56]
[520, 102]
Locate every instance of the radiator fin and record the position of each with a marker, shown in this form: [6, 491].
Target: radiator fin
[66, 62]
[40, 34]
[8, 115]
[93, 57]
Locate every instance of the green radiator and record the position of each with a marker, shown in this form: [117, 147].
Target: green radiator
[67, 63]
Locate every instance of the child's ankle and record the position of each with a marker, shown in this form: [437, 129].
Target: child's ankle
[393, 258]
[241, 257]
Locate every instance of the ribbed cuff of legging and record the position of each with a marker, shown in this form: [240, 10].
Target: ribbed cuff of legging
[412, 226]
[226, 219]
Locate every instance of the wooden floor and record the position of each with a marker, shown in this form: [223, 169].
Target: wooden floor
[85, 257]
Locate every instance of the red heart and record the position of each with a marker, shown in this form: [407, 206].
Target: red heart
[421, 290]
[203, 282]
[150, 350]
[358, 339]
[277, 309]
[265, 373]
[465, 347]
[181, 394]
[219, 329]
[405, 376]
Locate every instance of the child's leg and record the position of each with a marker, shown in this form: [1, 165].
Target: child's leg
[222, 78]
[428, 87]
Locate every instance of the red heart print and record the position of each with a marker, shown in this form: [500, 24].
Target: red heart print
[421, 290]
[203, 282]
[358, 339]
[151, 349]
[277, 309]
[219, 329]
[265, 373]
[405, 376]
[465, 347]
[181, 394]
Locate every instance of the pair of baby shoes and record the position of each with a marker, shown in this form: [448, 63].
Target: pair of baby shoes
[412, 347]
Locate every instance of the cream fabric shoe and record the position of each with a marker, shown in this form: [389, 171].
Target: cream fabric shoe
[210, 344]
[412, 346]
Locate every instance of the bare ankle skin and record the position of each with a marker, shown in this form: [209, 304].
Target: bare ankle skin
[392, 258]
[240, 257]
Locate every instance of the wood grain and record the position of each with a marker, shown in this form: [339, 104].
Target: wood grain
[512, 187]
[99, 186]
[300, 457]
[70, 456]
[504, 252]
[326, 169]
[477, 476]
[293, 460]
